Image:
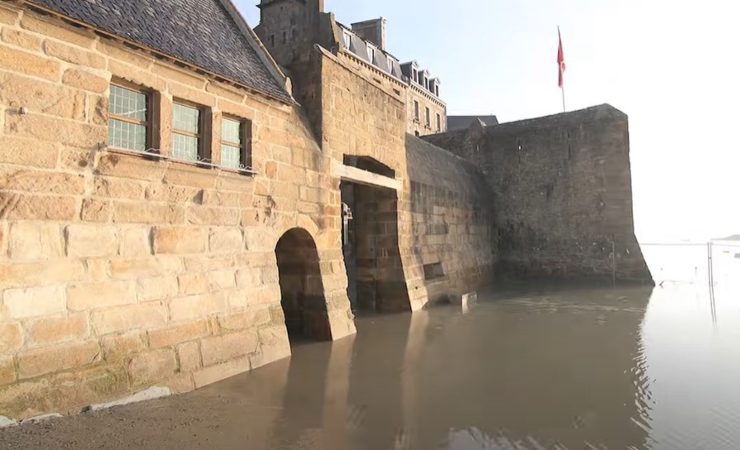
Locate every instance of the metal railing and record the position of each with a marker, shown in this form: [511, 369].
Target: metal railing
[155, 153]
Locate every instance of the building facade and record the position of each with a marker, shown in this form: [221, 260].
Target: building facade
[291, 28]
[174, 209]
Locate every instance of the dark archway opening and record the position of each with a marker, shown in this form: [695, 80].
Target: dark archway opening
[301, 287]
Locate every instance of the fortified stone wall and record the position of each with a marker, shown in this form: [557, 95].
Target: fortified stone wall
[119, 271]
[364, 118]
[562, 194]
[453, 231]
[363, 115]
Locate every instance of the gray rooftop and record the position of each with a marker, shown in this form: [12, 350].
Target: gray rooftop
[463, 122]
[199, 32]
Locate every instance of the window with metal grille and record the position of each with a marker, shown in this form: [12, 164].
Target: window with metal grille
[187, 132]
[235, 143]
[129, 122]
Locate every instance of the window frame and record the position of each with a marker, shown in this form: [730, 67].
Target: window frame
[428, 117]
[245, 146]
[203, 155]
[417, 113]
[148, 122]
[347, 40]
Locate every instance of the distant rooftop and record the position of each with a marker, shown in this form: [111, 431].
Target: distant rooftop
[366, 40]
[463, 122]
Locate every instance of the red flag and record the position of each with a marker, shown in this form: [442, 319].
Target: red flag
[561, 60]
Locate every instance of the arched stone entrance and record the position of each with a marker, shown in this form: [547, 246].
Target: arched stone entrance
[301, 287]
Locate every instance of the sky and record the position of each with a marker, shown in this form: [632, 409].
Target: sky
[672, 65]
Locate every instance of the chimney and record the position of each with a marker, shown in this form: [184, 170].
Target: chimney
[371, 30]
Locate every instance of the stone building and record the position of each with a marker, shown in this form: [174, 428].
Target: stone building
[174, 209]
[291, 28]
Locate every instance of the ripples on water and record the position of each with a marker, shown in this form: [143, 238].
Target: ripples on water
[527, 368]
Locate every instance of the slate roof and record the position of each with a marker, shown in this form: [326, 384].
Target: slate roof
[200, 32]
[463, 122]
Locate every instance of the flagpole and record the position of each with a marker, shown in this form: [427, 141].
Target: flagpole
[562, 90]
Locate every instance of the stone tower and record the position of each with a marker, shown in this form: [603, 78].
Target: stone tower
[289, 28]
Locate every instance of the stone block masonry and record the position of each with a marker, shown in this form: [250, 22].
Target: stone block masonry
[452, 219]
[122, 270]
[562, 191]
[119, 272]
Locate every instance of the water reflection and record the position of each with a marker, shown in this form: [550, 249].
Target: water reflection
[527, 367]
[520, 370]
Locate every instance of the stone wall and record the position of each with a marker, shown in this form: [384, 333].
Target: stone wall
[365, 117]
[361, 112]
[289, 29]
[118, 271]
[562, 194]
[453, 230]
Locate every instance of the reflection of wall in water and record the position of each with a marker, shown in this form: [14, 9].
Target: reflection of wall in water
[573, 373]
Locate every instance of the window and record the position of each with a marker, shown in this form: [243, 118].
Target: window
[187, 132]
[272, 40]
[129, 124]
[371, 54]
[235, 143]
[428, 118]
[285, 37]
[439, 122]
[347, 40]
[433, 271]
[416, 110]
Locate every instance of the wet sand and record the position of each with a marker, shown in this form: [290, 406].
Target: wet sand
[525, 368]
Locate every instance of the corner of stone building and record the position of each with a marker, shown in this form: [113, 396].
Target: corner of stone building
[307, 90]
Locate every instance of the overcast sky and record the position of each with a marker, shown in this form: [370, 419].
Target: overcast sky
[672, 65]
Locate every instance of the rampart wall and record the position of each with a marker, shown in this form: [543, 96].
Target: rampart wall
[562, 194]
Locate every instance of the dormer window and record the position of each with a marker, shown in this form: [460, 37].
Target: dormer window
[371, 54]
[347, 40]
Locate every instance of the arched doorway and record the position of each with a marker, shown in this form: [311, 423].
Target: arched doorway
[301, 287]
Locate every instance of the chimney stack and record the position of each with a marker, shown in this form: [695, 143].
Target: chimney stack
[371, 30]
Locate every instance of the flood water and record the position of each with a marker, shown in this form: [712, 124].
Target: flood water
[528, 367]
